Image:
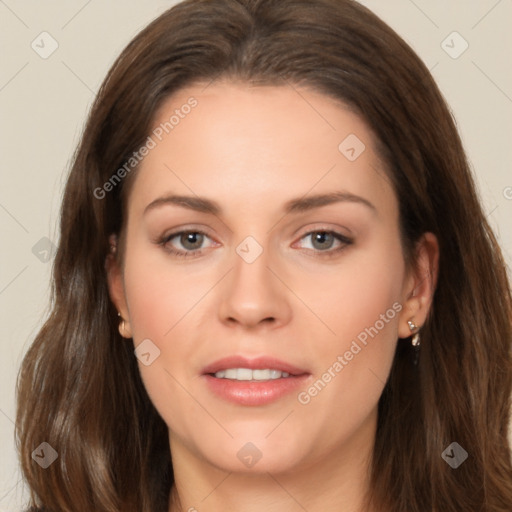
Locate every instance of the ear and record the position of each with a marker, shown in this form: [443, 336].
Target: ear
[116, 287]
[420, 285]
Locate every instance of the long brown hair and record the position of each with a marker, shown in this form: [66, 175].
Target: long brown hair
[79, 387]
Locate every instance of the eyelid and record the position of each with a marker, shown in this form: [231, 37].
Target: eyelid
[164, 239]
[319, 226]
[182, 229]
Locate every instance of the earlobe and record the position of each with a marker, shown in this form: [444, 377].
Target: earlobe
[420, 286]
[124, 327]
[116, 288]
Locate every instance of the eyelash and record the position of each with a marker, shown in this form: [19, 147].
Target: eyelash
[196, 253]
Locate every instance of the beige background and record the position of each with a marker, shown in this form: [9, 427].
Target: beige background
[43, 104]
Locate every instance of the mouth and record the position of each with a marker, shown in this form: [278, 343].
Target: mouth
[253, 382]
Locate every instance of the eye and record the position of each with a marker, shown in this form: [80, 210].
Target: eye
[191, 241]
[323, 240]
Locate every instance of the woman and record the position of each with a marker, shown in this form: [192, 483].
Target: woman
[337, 335]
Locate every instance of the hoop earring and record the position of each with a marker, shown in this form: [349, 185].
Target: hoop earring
[415, 341]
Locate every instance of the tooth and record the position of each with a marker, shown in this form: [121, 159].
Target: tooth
[248, 374]
[243, 374]
[261, 374]
[231, 373]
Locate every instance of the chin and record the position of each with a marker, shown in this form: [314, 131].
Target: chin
[256, 454]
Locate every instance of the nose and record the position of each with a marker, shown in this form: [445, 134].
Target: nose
[253, 294]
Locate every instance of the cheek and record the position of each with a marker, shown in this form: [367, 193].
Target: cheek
[358, 291]
[159, 298]
[159, 293]
[361, 305]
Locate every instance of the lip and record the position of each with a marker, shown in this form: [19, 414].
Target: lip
[253, 393]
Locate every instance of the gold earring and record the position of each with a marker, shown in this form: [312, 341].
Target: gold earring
[113, 244]
[416, 338]
[122, 326]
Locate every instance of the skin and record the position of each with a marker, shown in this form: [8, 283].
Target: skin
[252, 149]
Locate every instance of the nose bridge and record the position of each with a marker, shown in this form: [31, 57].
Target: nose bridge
[252, 292]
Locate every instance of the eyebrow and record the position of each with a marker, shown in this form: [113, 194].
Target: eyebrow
[299, 205]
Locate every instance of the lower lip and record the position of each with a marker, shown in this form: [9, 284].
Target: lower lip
[243, 392]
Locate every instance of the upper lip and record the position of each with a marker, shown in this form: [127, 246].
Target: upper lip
[262, 362]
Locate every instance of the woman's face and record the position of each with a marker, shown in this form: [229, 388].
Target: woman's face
[282, 254]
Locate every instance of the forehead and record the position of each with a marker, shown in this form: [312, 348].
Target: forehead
[245, 145]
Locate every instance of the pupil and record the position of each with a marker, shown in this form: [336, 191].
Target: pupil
[189, 238]
[320, 237]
